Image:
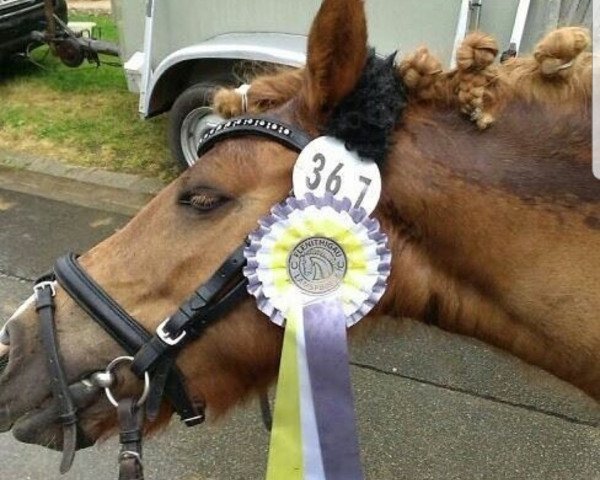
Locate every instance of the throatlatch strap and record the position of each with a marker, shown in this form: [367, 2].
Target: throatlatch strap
[67, 412]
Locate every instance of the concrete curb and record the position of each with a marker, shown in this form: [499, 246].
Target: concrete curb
[94, 176]
[87, 187]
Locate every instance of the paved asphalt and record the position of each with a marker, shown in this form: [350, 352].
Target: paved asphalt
[430, 405]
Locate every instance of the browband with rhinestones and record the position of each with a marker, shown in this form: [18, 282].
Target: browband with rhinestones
[261, 126]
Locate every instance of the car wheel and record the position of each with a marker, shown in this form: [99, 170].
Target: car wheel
[191, 115]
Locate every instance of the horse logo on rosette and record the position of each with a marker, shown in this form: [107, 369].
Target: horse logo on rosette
[317, 265]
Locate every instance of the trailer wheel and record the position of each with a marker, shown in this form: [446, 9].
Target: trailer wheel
[61, 10]
[191, 115]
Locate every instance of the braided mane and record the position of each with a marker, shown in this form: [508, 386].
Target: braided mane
[558, 72]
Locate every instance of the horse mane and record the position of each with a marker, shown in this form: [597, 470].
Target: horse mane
[558, 72]
[267, 91]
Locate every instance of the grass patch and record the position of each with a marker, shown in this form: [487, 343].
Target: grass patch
[82, 116]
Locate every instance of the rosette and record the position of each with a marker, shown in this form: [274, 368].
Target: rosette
[314, 248]
[316, 266]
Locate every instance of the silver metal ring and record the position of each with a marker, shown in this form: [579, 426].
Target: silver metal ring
[109, 369]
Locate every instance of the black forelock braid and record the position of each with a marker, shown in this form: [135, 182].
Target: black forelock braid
[366, 119]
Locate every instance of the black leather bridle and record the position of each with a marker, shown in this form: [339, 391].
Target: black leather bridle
[152, 353]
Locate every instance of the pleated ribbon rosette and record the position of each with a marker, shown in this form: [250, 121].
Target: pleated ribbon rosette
[316, 266]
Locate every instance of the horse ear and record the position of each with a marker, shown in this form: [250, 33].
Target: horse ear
[337, 53]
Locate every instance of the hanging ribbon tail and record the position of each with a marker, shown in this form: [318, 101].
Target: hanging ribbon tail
[311, 445]
[329, 372]
[285, 451]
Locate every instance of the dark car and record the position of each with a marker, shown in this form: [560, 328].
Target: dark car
[18, 19]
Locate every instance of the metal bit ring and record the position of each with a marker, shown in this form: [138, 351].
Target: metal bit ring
[109, 369]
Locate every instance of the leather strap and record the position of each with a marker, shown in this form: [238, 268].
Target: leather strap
[84, 394]
[130, 437]
[99, 305]
[67, 412]
[262, 126]
[205, 306]
[123, 328]
[191, 310]
[157, 356]
[265, 411]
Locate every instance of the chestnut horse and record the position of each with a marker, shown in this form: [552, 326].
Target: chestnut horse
[494, 225]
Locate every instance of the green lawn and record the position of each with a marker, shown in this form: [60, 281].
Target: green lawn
[83, 116]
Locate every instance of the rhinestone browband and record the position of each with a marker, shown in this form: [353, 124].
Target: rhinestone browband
[261, 126]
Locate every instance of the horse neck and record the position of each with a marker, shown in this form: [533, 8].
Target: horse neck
[494, 233]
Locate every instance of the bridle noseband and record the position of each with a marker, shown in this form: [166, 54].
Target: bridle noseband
[152, 353]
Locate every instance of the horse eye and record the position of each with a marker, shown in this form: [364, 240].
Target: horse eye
[203, 200]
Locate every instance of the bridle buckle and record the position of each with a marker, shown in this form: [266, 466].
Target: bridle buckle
[130, 454]
[166, 336]
[38, 287]
[192, 421]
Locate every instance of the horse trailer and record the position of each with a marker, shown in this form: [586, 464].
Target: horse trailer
[177, 51]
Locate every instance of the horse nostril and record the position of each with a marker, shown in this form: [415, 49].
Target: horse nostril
[3, 357]
[4, 348]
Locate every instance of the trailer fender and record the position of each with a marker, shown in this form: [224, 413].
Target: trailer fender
[212, 61]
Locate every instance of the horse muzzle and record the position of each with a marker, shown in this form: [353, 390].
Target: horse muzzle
[34, 418]
[40, 426]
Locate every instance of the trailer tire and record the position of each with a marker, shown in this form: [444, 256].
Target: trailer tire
[190, 116]
[61, 10]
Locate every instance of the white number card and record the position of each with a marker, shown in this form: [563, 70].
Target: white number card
[326, 166]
